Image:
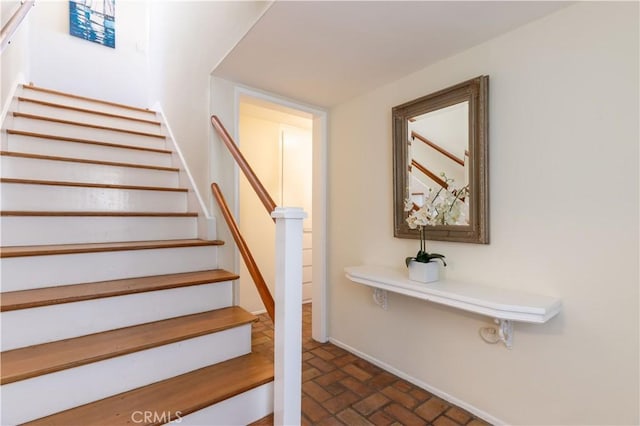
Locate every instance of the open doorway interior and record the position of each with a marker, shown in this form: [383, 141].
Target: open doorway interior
[277, 143]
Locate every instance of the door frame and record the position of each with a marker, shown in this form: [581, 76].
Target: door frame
[319, 320]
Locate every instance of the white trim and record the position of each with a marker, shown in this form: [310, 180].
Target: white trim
[439, 393]
[206, 222]
[289, 213]
[236, 189]
[17, 83]
[319, 204]
[319, 293]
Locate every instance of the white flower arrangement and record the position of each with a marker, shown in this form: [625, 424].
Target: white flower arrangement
[448, 206]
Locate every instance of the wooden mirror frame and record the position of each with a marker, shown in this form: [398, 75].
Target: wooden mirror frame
[476, 92]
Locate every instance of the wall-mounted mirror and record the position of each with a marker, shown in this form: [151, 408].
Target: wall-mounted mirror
[440, 158]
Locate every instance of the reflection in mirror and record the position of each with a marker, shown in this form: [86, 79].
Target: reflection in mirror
[439, 162]
[440, 159]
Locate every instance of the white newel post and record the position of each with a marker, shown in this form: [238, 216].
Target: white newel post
[288, 322]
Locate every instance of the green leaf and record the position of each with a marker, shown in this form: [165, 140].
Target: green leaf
[437, 256]
[425, 257]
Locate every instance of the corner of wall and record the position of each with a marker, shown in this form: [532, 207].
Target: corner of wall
[206, 223]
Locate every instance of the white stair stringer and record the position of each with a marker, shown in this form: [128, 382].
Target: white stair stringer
[206, 226]
[69, 388]
[70, 229]
[57, 322]
[24, 273]
[44, 168]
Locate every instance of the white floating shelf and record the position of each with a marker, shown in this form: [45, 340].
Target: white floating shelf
[502, 304]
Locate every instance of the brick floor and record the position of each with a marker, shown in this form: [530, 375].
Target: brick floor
[338, 388]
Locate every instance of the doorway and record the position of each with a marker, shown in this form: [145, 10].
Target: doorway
[285, 144]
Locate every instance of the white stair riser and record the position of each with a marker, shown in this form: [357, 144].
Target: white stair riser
[69, 171]
[82, 132]
[22, 273]
[87, 104]
[40, 396]
[42, 146]
[41, 230]
[72, 198]
[59, 322]
[88, 117]
[242, 409]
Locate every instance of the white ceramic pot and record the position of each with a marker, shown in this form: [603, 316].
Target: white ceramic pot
[424, 272]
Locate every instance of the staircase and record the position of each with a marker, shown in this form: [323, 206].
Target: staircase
[113, 311]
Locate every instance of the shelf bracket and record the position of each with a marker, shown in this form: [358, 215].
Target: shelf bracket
[505, 330]
[503, 333]
[380, 298]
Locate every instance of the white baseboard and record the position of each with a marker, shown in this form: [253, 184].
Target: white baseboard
[449, 398]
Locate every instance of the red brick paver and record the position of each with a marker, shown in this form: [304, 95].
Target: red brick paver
[338, 388]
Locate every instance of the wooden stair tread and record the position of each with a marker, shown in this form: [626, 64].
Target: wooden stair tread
[185, 394]
[24, 299]
[98, 214]
[33, 361]
[85, 141]
[43, 250]
[90, 185]
[89, 111]
[70, 95]
[81, 124]
[84, 161]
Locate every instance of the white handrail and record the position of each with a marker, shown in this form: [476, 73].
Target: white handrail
[288, 324]
[9, 29]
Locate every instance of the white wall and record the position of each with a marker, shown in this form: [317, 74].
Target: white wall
[564, 222]
[63, 62]
[259, 143]
[13, 61]
[188, 40]
[165, 52]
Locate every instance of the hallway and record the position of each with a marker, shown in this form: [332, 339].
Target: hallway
[339, 388]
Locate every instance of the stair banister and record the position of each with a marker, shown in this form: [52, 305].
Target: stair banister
[288, 313]
[12, 25]
[430, 174]
[288, 287]
[252, 266]
[255, 183]
[437, 147]
[288, 324]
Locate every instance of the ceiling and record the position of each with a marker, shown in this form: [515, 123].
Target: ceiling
[326, 52]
